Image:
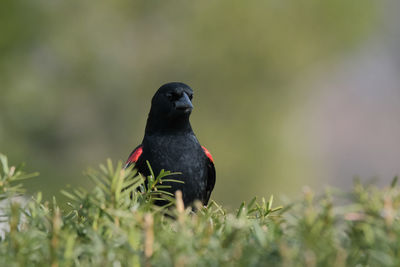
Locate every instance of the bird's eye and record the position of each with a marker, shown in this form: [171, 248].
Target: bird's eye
[190, 96]
[173, 96]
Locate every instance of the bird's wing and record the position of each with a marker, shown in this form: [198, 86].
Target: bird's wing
[134, 156]
[211, 175]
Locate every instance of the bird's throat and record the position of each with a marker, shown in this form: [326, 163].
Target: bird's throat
[164, 124]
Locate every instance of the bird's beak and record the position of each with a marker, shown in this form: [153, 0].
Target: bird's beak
[184, 104]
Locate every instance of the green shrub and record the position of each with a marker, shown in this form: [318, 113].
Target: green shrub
[117, 225]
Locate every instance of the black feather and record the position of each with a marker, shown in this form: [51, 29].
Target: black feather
[169, 143]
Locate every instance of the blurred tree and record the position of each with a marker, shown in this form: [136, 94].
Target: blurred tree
[77, 80]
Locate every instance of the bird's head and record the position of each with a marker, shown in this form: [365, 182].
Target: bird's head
[171, 107]
[173, 100]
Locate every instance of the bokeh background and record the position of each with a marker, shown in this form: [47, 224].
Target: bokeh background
[287, 93]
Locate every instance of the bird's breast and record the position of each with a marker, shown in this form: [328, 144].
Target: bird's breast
[176, 154]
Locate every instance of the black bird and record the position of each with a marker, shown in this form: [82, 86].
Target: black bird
[169, 143]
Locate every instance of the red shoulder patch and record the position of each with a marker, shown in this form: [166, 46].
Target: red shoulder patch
[208, 154]
[135, 155]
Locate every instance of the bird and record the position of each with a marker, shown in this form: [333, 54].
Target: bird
[170, 144]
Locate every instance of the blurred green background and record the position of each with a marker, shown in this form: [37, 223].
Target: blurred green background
[77, 77]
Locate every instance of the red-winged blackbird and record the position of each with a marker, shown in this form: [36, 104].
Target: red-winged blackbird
[170, 144]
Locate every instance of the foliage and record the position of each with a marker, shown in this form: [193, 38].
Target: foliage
[117, 224]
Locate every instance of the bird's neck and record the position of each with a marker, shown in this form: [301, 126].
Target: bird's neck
[157, 125]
